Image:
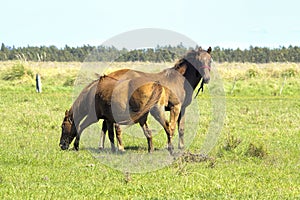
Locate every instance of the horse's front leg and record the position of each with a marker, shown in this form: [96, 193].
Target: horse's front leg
[76, 142]
[87, 121]
[158, 112]
[119, 137]
[181, 122]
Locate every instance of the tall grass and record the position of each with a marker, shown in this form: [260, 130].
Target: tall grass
[17, 72]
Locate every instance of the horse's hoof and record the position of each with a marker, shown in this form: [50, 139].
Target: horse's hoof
[121, 149]
[76, 145]
[171, 151]
[170, 148]
[101, 148]
[150, 151]
[76, 148]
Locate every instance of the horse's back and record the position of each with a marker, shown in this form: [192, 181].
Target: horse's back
[124, 74]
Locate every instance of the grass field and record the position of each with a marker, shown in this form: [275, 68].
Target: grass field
[257, 155]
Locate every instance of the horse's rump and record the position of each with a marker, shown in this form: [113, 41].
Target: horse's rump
[143, 98]
[126, 101]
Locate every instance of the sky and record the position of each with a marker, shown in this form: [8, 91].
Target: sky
[223, 23]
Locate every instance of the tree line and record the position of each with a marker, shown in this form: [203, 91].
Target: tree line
[157, 54]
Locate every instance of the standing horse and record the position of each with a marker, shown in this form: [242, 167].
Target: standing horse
[179, 82]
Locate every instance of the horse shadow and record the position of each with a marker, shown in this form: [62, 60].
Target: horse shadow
[133, 148]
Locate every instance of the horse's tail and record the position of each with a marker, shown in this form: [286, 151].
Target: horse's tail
[157, 91]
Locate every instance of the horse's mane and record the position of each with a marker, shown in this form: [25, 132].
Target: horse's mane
[107, 76]
[187, 62]
[190, 57]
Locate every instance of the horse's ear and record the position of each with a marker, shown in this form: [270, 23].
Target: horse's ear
[209, 50]
[67, 113]
[200, 49]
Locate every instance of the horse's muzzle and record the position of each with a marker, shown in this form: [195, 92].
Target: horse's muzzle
[206, 79]
[64, 146]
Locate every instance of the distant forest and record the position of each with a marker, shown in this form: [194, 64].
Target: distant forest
[158, 54]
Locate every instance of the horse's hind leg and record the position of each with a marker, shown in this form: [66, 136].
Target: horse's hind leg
[110, 128]
[119, 137]
[147, 132]
[102, 135]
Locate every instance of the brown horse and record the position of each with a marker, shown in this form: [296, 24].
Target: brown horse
[94, 102]
[179, 83]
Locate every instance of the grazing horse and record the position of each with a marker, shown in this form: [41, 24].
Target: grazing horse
[93, 104]
[83, 106]
[178, 84]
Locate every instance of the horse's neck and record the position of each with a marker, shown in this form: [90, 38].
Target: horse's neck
[190, 73]
[71, 114]
[77, 110]
[84, 105]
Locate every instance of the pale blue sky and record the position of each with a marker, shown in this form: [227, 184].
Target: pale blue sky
[224, 23]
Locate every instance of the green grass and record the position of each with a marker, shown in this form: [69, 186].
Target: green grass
[257, 155]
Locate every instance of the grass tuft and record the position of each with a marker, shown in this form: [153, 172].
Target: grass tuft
[252, 73]
[231, 142]
[69, 82]
[17, 72]
[290, 72]
[258, 151]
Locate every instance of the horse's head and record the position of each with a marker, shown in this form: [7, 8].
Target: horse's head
[204, 58]
[201, 61]
[68, 132]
